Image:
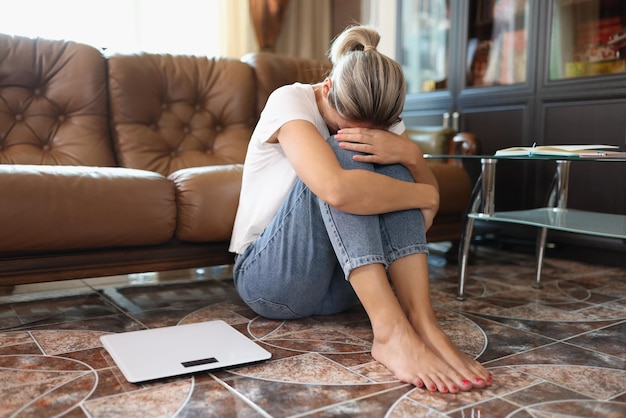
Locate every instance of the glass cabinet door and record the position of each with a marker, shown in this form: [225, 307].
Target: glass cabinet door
[587, 38]
[497, 42]
[425, 26]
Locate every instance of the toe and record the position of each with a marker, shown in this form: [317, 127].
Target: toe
[479, 382]
[465, 385]
[428, 383]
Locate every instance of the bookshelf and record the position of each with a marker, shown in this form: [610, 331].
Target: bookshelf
[520, 72]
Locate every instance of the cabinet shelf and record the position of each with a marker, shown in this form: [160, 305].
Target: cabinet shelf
[584, 38]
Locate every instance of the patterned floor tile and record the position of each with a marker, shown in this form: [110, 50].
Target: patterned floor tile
[553, 351]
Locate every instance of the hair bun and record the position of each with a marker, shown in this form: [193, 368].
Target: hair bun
[354, 38]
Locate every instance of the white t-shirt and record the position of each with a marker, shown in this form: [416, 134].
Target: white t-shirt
[268, 175]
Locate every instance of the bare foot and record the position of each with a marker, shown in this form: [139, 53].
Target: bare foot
[406, 355]
[438, 342]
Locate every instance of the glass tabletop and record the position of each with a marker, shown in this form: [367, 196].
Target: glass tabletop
[524, 157]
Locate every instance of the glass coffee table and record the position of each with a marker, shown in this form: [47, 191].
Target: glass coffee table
[554, 216]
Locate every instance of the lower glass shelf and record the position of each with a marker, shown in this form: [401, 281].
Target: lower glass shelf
[569, 220]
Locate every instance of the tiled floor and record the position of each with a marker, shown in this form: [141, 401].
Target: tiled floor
[555, 352]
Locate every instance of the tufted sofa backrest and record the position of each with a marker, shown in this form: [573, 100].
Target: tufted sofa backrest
[275, 70]
[65, 103]
[173, 112]
[53, 103]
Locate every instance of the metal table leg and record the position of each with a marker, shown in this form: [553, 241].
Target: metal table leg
[557, 198]
[483, 197]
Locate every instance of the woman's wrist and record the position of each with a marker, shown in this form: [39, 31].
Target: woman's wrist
[414, 161]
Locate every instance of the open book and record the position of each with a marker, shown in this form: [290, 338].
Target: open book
[564, 150]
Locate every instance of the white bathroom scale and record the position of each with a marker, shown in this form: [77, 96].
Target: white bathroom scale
[179, 350]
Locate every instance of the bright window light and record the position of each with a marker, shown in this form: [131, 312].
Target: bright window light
[124, 26]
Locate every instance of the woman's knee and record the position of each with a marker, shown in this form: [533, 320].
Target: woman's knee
[397, 171]
[347, 161]
[344, 157]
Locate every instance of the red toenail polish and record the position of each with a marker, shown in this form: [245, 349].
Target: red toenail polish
[454, 388]
[420, 384]
[444, 389]
[433, 388]
[479, 379]
[466, 382]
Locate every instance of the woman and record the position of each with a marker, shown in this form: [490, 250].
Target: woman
[325, 221]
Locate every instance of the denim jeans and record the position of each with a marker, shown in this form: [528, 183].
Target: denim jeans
[300, 264]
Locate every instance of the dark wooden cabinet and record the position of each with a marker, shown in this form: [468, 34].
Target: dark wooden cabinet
[518, 72]
[599, 187]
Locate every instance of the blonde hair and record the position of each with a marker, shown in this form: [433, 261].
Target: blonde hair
[366, 84]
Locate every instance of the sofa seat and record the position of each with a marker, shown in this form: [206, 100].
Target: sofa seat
[56, 208]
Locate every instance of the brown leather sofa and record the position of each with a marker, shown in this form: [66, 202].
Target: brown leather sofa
[128, 163]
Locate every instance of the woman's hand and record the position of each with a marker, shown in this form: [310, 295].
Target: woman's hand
[378, 146]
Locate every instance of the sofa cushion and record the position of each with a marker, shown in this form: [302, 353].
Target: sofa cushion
[207, 200]
[173, 112]
[53, 103]
[62, 207]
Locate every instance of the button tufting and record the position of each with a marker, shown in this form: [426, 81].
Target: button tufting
[62, 118]
[186, 129]
[46, 147]
[19, 117]
[37, 92]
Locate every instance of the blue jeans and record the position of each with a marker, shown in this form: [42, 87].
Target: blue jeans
[300, 264]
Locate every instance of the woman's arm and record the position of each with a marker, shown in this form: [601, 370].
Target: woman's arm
[354, 191]
[384, 147]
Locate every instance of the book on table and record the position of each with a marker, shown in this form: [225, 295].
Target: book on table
[562, 150]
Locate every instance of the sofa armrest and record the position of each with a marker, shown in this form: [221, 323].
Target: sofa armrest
[438, 140]
[432, 139]
[463, 143]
